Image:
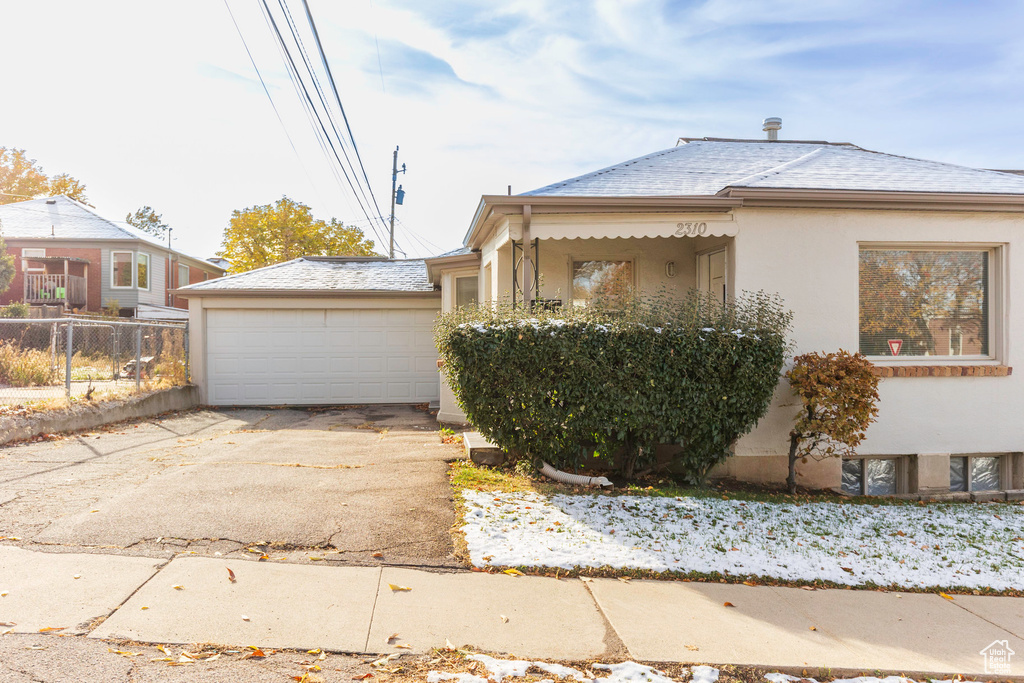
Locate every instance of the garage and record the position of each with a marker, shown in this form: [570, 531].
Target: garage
[316, 331]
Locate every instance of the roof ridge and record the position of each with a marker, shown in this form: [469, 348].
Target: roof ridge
[85, 207]
[199, 285]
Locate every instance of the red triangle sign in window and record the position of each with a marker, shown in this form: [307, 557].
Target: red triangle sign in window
[895, 345]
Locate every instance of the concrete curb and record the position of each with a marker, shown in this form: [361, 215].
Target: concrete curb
[78, 417]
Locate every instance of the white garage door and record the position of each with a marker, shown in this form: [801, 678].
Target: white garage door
[334, 356]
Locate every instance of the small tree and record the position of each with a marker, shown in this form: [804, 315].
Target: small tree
[839, 392]
[148, 221]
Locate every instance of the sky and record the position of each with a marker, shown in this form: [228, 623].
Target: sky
[158, 104]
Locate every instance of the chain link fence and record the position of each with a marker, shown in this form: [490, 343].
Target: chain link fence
[58, 359]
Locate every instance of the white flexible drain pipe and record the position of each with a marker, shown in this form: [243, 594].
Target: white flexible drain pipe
[572, 479]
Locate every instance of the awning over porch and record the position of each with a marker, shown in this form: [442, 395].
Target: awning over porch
[559, 227]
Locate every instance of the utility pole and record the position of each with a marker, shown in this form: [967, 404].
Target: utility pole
[397, 196]
[169, 298]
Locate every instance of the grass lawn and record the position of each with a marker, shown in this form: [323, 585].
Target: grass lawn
[509, 520]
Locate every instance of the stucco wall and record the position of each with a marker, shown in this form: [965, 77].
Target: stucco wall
[810, 258]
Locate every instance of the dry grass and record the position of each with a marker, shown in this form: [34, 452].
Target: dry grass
[25, 367]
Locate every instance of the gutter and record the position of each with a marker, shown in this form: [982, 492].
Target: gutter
[306, 293]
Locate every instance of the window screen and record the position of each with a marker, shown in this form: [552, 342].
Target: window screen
[934, 303]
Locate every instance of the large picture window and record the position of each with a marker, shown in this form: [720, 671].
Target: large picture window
[610, 282]
[121, 269]
[925, 302]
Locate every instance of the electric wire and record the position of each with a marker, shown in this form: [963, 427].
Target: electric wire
[341, 107]
[320, 94]
[272, 104]
[294, 73]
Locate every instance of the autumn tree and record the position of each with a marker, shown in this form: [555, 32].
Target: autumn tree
[838, 393]
[148, 221]
[22, 178]
[261, 236]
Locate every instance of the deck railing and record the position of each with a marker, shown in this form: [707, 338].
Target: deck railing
[48, 289]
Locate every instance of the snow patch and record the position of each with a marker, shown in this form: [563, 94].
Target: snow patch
[704, 674]
[927, 546]
[631, 672]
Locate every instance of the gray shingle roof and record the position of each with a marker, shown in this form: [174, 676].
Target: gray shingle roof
[461, 251]
[64, 218]
[706, 167]
[327, 273]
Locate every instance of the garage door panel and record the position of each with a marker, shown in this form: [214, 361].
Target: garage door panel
[277, 356]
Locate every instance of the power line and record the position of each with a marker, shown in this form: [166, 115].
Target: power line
[319, 91]
[274, 106]
[337, 97]
[290, 63]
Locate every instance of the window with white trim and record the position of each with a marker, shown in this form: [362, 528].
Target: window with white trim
[28, 254]
[605, 281]
[142, 271]
[466, 290]
[121, 263]
[927, 301]
[182, 275]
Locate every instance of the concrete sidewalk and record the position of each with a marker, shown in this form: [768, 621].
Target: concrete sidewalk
[356, 609]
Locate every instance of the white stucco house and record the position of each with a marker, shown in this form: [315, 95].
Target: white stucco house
[911, 262]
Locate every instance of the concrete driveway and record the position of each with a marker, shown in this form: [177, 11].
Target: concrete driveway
[331, 486]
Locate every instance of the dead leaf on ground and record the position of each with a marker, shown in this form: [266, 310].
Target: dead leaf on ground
[814, 628]
[7, 624]
[231, 575]
[448, 645]
[808, 588]
[363, 676]
[395, 588]
[245, 618]
[625, 579]
[393, 636]
[256, 653]
[513, 572]
[178, 587]
[728, 604]
[586, 579]
[944, 595]
[403, 646]
[50, 629]
[504, 619]
[692, 648]
[378, 556]
[36, 647]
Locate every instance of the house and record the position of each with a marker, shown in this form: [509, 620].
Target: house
[67, 254]
[907, 260]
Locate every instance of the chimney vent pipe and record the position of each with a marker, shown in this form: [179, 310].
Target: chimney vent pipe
[772, 125]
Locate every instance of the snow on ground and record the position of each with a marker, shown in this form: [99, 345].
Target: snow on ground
[624, 672]
[910, 546]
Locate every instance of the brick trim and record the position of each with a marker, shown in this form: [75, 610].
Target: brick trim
[942, 371]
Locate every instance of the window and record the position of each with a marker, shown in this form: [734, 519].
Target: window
[121, 269]
[182, 275]
[142, 271]
[927, 302]
[870, 476]
[465, 291]
[974, 473]
[33, 253]
[607, 281]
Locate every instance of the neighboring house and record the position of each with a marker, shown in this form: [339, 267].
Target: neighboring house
[912, 262]
[65, 253]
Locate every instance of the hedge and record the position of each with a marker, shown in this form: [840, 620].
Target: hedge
[580, 385]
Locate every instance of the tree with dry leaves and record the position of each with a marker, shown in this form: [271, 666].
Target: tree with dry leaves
[22, 178]
[838, 392]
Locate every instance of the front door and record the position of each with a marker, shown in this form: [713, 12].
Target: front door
[711, 273]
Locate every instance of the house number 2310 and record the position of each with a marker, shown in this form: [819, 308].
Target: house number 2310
[690, 229]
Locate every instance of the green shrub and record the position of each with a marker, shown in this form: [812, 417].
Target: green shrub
[838, 393]
[25, 367]
[18, 309]
[574, 385]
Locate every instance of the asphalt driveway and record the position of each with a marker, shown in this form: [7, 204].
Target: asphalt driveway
[338, 485]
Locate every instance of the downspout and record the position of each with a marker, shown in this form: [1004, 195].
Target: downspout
[572, 479]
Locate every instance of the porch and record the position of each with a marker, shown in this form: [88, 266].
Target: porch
[56, 280]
